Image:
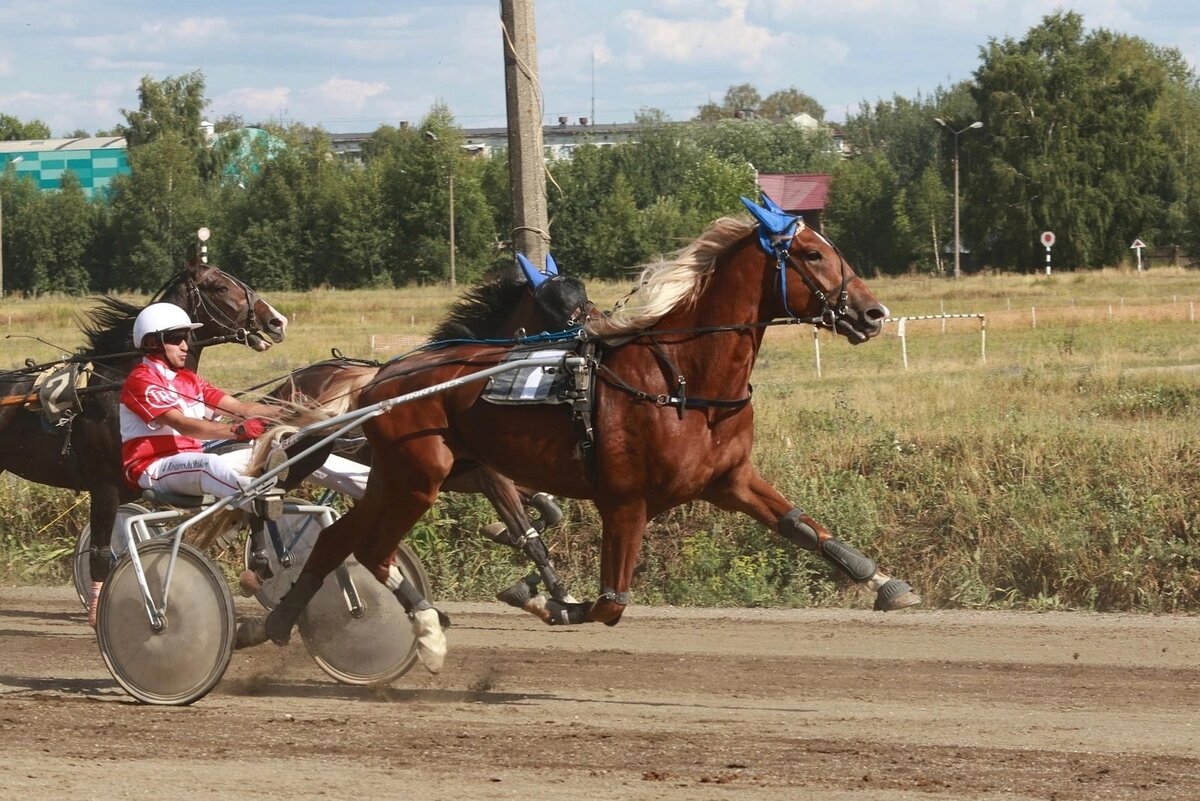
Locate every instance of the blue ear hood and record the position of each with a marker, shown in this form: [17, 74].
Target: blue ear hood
[535, 276]
[773, 223]
[551, 267]
[771, 205]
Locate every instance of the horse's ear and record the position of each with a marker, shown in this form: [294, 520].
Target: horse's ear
[771, 205]
[551, 267]
[772, 225]
[194, 266]
[535, 276]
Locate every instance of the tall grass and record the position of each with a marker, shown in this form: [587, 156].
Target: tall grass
[1058, 473]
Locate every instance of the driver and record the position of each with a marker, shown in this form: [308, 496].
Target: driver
[167, 410]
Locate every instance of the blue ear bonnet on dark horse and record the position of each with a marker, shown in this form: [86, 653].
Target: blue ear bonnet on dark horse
[775, 225]
[537, 277]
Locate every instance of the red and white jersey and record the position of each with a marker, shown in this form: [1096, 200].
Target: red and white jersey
[151, 390]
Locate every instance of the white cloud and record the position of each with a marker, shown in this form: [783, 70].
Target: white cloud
[5, 64]
[98, 63]
[690, 41]
[386, 22]
[346, 96]
[253, 104]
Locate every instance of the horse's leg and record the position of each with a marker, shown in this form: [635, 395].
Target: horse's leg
[411, 490]
[748, 492]
[518, 532]
[102, 516]
[624, 526]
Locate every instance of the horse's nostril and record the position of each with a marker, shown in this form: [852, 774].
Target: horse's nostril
[876, 314]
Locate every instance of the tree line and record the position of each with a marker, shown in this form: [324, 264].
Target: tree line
[1087, 133]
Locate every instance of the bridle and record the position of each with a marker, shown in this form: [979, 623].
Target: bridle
[198, 301]
[578, 314]
[831, 312]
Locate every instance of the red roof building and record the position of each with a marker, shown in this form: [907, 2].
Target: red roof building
[798, 193]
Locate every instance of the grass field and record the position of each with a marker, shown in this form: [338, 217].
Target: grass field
[1059, 472]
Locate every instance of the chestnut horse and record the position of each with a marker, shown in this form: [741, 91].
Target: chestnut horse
[85, 452]
[673, 420]
[511, 305]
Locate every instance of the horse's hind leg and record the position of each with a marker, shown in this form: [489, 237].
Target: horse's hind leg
[517, 531]
[748, 492]
[102, 516]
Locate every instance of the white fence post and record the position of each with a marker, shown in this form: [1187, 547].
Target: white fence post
[817, 348]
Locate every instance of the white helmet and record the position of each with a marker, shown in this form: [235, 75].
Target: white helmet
[158, 318]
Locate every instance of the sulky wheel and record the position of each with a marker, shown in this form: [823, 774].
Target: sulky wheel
[181, 662]
[83, 548]
[298, 532]
[374, 645]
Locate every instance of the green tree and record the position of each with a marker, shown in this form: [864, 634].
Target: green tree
[615, 240]
[787, 103]
[13, 130]
[156, 211]
[859, 215]
[50, 235]
[1066, 145]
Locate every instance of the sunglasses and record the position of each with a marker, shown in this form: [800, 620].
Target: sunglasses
[174, 337]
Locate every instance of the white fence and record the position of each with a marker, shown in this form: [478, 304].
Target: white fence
[902, 332]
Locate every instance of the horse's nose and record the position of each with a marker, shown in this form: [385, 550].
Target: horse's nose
[876, 314]
[274, 322]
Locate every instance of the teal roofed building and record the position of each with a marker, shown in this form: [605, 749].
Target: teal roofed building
[95, 161]
[247, 149]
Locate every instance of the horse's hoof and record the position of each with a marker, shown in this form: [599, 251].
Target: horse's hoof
[431, 640]
[561, 613]
[605, 610]
[895, 595]
[547, 506]
[278, 631]
[250, 632]
[250, 582]
[519, 593]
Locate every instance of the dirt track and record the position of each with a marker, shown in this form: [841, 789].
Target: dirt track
[675, 704]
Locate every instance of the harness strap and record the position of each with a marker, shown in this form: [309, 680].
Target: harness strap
[681, 402]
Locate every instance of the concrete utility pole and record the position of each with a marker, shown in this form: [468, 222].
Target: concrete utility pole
[526, 159]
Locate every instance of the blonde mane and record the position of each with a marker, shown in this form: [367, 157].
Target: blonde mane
[665, 286]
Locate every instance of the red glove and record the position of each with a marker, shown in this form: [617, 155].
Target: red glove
[247, 430]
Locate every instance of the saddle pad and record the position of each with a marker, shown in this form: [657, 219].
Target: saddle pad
[530, 384]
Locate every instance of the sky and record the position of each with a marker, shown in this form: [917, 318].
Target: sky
[353, 65]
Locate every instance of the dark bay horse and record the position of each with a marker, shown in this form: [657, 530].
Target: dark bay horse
[512, 305]
[673, 420]
[84, 454]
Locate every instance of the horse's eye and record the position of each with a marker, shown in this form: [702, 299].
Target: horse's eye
[812, 256]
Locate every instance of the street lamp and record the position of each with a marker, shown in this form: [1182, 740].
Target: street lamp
[450, 176]
[957, 240]
[17, 160]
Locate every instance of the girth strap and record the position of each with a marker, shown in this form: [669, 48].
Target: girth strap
[680, 401]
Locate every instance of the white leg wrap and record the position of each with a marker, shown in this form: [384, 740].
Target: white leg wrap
[877, 581]
[431, 640]
[394, 579]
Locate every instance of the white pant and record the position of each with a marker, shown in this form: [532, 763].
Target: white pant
[341, 474]
[195, 473]
[222, 474]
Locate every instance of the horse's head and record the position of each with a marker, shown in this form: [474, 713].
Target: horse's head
[817, 275]
[560, 301]
[811, 278]
[225, 305]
